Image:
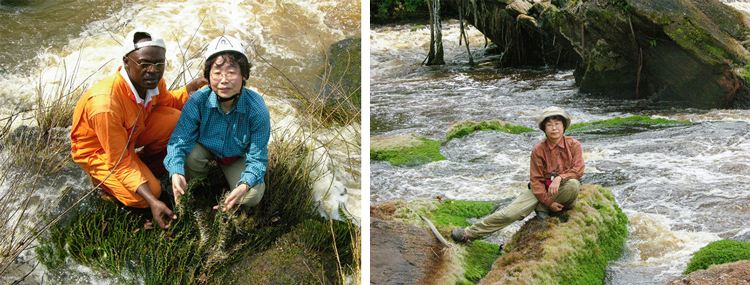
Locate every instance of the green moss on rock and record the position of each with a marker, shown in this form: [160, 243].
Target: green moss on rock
[573, 248]
[719, 252]
[464, 128]
[624, 126]
[405, 150]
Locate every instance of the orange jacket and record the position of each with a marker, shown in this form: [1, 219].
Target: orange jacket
[102, 122]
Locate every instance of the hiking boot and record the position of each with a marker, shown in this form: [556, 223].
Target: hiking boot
[542, 215]
[459, 235]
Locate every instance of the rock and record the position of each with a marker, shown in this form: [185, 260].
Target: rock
[573, 248]
[285, 263]
[460, 129]
[401, 253]
[722, 274]
[527, 20]
[408, 150]
[343, 81]
[684, 51]
[518, 7]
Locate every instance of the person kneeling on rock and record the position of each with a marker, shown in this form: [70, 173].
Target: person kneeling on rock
[556, 166]
[226, 123]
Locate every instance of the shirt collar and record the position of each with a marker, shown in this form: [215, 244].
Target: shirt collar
[561, 143]
[149, 92]
[213, 102]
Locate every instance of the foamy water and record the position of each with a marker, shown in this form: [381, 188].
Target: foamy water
[681, 186]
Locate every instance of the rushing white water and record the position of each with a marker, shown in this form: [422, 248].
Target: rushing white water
[286, 40]
[680, 186]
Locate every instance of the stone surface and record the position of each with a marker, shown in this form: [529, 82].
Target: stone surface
[684, 51]
[401, 253]
[735, 273]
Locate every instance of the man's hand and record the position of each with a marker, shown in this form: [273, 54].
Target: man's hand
[178, 186]
[556, 207]
[234, 197]
[554, 186]
[159, 210]
[196, 84]
[162, 214]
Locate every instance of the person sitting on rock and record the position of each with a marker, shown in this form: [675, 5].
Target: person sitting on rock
[556, 166]
[226, 123]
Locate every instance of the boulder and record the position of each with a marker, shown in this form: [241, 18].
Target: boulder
[721, 274]
[401, 253]
[685, 51]
[573, 248]
[407, 150]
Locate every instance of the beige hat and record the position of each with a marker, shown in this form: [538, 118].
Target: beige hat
[553, 111]
[129, 46]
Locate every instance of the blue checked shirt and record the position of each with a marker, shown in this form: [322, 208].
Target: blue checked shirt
[243, 132]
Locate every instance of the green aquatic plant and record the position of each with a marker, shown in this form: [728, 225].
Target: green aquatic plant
[462, 129]
[632, 120]
[480, 255]
[719, 252]
[418, 151]
[202, 244]
[624, 126]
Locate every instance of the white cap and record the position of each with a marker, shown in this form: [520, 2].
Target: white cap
[129, 46]
[225, 43]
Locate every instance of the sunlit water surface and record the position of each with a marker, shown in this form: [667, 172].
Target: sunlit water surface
[681, 186]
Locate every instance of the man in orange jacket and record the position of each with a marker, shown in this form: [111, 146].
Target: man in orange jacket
[124, 112]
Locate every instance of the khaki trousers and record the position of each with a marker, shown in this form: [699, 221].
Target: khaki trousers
[197, 163]
[521, 207]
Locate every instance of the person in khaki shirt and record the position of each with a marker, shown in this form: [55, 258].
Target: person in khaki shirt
[556, 165]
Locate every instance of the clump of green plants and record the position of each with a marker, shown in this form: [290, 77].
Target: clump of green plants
[467, 127]
[624, 126]
[202, 244]
[719, 252]
[410, 154]
[451, 214]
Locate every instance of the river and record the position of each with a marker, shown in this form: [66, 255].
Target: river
[681, 187]
[74, 44]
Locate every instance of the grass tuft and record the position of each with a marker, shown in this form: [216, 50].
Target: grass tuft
[719, 252]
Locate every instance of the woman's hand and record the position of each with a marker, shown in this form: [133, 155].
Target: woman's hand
[554, 187]
[178, 186]
[234, 197]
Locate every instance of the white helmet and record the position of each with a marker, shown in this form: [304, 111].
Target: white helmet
[225, 43]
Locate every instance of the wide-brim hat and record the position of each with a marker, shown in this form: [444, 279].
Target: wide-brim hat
[553, 111]
[129, 46]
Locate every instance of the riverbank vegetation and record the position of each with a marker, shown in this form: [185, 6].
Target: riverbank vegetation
[69, 226]
[718, 252]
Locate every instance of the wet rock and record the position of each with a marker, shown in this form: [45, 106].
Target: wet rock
[285, 263]
[722, 274]
[518, 7]
[401, 253]
[572, 248]
[408, 150]
[686, 51]
[463, 128]
[343, 81]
